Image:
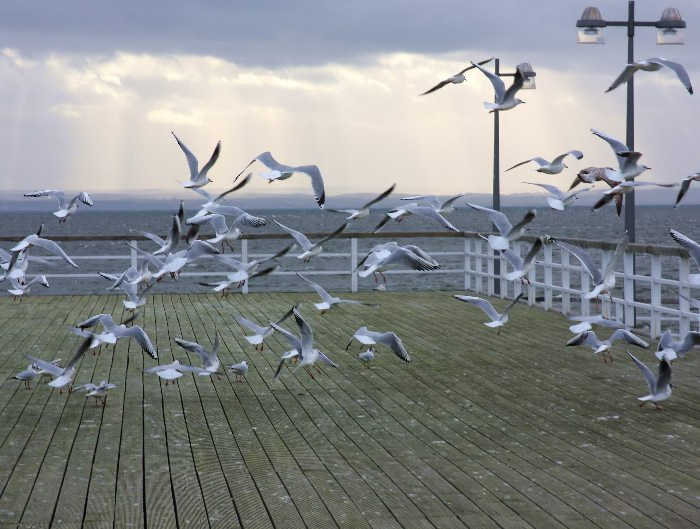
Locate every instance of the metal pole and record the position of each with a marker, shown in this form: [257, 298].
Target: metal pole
[496, 195]
[629, 200]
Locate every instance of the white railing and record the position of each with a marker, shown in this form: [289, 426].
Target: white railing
[647, 296]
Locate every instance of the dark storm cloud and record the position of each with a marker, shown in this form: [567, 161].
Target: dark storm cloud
[277, 33]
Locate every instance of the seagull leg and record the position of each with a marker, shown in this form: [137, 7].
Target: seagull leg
[643, 404]
[310, 374]
[657, 406]
[383, 276]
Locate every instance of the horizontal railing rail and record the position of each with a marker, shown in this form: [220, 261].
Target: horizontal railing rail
[557, 281]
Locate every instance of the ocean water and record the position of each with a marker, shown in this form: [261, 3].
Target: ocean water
[653, 223]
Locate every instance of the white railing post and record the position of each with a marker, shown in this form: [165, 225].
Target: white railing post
[683, 289]
[585, 288]
[134, 254]
[353, 264]
[244, 260]
[565, 281]
[478, 278]
[628, 291]
[605, 306]
[548, 277]
[489, 271]
[503, 282]
[655, 316]
[531, 289]
[467, 264]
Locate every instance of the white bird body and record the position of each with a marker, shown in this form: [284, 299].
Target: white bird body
[309, 249]
[556, 166]
[198, 177]
[66, 208]
[169, 371]
[670, 349]
[210, 359]
[366, 357]
[63, 375]
[627, 159]
[121, 331]
[507, 232]
[27, 375]
[390, 255]
[557, 199]
[99, 391]
[497, 319]
[505, 99]
[389, 339]
[327, 300]
[454, 79]
[590, 339]
[659, 386]
[20, 286]
[240, 369]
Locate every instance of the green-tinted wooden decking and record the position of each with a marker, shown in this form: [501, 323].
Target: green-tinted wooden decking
[479, 430]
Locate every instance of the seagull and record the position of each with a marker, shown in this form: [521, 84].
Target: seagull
[256, 340]
[20, 287]
[505, 99]
[659, 386]
[624, 187]
[591, 175]
[64, 375]
[222, 233]
[46, 244]
[128, 281]
[558, 199]
[693, 249]
[603, 280]
[425, 211]
[308, 356]
[167, 245]
[626, 158]
[508, 232]
[371, 338]
[391, 255]
[310, 250]
[455, 79]
[174, 262]
[366, 357]
[670, 349]
[99, 391]
[240, 369]
[169, 371]
[198, 177]
[98, 339]
[26, 376]
[652, 65]
[212, 204]
[121, 331]
[43, 373]
[279, 171]
[66, 209]
[442, 207]
[210, 359]
[521, 266]
[363, 211]
[497, 320]
[556, 166]
[327, 301]
[593, 319]
[685, 185]
[590, 339]
[224, 285]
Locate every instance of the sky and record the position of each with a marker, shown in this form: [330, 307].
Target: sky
[90, 92]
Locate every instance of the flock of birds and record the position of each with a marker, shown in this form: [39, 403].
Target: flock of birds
[227, 220]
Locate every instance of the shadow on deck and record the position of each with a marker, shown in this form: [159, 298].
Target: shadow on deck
[478, 430]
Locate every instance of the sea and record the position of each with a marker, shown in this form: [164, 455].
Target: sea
[652, 225]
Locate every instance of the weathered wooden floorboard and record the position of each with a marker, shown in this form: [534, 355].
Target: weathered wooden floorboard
[479, 430]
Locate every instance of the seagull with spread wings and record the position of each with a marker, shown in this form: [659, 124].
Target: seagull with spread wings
[653, 64]
[66, 208]
[508, 232]
[557, 199]
[198, 177]
[505, 99]
[363, 211]
[497, 319]
[556, 166]
[389, 339]
[659, 386]
[590, 339]
[309, 249]
[454, 79]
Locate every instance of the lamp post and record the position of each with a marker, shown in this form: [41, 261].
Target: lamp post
[670, 30]
[529, 83]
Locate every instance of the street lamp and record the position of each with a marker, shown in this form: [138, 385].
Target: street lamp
[529, 74]
[670, 30]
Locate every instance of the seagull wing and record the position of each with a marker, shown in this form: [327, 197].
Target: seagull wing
[538, 160]
[578, 154]
[680, 71]
[316, 182]
[391, 340]
[49, 367]
[331, 235]
[105, 319]
[685, 185]
[84, 346]
[619, 252]
[54, 248]
[663, 378]
[585, 258]
[238, 186]
[212, 160]
[327, 361]
[554, 190]
[193, 347]
[51, 193]
[245, 322]
[138, 334]
[431, 213]
[623, 334]
[513, 303]
[687, 243]
[191, 159]
[648, 375]
[626, 74]
[482, 304]
[293, 340]
[529, 217]
[692, 339]
[306, 333]
[518, 82]
[617, 146]
[499, 86]
[325, 296]
[379, 197]
[437, 86]
[302, 239]
[499, 219]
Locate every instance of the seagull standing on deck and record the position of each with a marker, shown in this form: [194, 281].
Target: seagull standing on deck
[198, 177]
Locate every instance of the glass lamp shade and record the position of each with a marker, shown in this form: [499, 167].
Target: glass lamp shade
[529, 74]
[590, 36]
[591, 26]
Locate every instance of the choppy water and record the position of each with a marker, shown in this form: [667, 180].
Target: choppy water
[653, 223]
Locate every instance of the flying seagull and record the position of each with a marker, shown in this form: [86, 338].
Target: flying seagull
[64, 375]
[455, 79]
[497, 320]
[652, 65]
[670, 349]
[590, 339]
[210, 359]
[659, 386]
[99, 391]
[685, 185]
[441, 206]
[603, 280]
[310, 250]
[198, 177]
[521, 266]
[280, 171]
[505, 99]
[508, 232]
[46, 244]
[428, 212]
[557, 199]
[26, 376]
[260, 333]
[624, 187]
[627, 159]
[389, 339]
[66, 208]
[390, 255]
[556, 166]
[121, 331]
[363, 211]
[693, 249]
[327, 301]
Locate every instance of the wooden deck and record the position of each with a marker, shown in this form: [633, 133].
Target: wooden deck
[479, 430]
